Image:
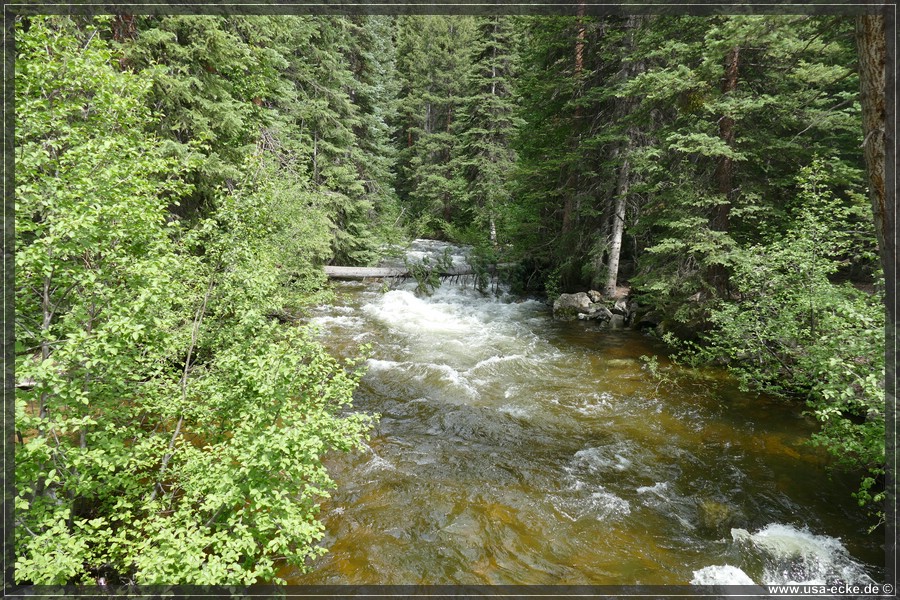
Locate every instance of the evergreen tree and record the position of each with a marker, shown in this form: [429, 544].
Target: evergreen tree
[230, 85]
[433, 58]
[572, 142]
[546, 88]
[792, 79]
[487, 124]
[212, 79]
[373, 60]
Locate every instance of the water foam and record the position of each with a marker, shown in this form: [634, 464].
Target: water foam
[515, 411]
[797, 556]
[420, 373]
[497, 358]
[657, 488]
[789, 556]
[402, 309]
[342, 321]
[374, 364]
[721, 575]
[599, 505]
[597, 403]
[451, 376]
[603, 458]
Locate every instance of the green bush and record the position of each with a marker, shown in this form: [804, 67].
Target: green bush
[794, 331]
[168, 430]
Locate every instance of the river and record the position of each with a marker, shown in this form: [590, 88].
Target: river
[515, 449]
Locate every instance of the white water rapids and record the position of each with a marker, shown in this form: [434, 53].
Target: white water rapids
[513, 449]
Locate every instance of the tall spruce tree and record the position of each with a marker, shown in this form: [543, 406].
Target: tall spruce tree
[487, 125]
[546, 87]
[434, 56]
[791, 78]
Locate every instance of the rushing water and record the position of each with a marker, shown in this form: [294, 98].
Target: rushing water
[513, 449]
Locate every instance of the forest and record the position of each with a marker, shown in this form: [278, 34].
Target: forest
[180, 181]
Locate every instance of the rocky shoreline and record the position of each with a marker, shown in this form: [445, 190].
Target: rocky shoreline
[619, 312]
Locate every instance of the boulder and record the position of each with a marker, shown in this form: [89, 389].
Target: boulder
[568, 306]
[646, 318]
[600, 312]
[595, 296]
[596, 312]
[621, 307]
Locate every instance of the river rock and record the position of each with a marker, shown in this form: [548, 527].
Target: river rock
[717, 517]
[644, 318]
[595, 296]
[596, 312]
[568, 306]
[621, 307]
[600, 312]
[617, 321]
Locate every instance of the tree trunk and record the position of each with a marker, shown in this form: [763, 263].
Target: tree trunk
[579, 43]
[568, 205]
[571, 182]
[340, 272]
[871, 44]
[724, 175]
[875, 36]
[618, 225]
[448, 208]
[123, 27]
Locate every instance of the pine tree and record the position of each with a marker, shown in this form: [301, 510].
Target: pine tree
[212, 78]
[543, 144]
[487, 125]
[732, 140]
[572, 141]
[434, 56]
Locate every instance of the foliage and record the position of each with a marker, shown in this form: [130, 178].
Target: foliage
[794, 96]
[487, 125]
[662, 375]
[428, 275]
[177, 191]
[313, 93]
[792, 331]
[168, 430]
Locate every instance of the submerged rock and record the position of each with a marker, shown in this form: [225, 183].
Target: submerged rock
[717, 517]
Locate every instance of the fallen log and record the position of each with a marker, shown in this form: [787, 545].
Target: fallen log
[337, 272]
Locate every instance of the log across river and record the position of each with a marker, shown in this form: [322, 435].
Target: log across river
[513, 449]
[339, 272]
